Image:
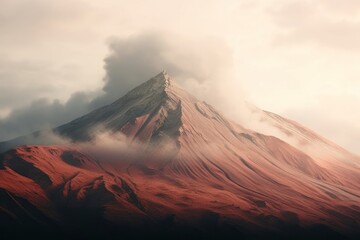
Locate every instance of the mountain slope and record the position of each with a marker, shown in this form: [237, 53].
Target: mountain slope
[189, 168]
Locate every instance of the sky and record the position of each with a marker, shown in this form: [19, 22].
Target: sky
[297, 58]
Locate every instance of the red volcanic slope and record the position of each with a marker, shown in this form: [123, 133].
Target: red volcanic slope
[198, 166]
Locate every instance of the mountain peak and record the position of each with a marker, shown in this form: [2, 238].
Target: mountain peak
[156, 84]
[162, 79]
[156, 99]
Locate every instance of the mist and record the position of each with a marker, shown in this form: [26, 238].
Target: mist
[197, 65]
[204, 67]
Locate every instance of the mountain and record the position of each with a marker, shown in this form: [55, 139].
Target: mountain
[178, 168]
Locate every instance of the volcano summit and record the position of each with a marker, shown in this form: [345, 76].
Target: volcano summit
[179, 169]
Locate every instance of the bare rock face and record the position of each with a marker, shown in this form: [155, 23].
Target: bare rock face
[185, 171]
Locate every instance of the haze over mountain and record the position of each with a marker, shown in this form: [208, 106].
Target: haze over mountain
[161, 161]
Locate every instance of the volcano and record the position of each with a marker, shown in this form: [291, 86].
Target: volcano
[180, 170]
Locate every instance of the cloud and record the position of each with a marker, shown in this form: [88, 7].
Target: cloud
[43, 114]
[197, 64]
[337, 124]
[117, 147]
[22, 81]
[51, 49]
[114, 146]
[131, 61]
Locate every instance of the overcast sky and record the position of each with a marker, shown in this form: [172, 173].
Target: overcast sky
[298, 58]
